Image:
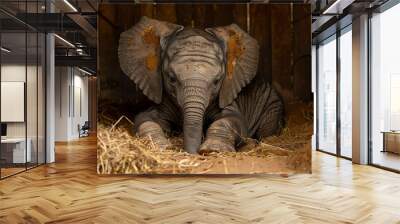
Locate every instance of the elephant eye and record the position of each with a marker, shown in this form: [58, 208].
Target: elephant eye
[172, 78]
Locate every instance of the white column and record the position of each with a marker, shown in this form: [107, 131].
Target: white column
[360, 90]
[50, 92]
[50, 100]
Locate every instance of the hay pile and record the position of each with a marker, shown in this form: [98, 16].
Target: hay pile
[120, 152]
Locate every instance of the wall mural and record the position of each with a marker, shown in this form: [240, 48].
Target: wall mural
[204, 89]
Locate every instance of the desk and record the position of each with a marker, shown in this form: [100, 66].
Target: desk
[391, 141]
[13, 150]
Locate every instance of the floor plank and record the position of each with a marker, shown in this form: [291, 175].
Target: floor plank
[70, 191]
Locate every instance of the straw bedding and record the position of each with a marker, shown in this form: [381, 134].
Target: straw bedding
[120, 152]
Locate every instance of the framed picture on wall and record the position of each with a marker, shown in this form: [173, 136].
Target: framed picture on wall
[12, 101]
[204, 89]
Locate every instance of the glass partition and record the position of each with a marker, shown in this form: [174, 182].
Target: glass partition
[22, 107]
[385, 89]
[31, 99]
[346, 72]
[327, 95]
[41, 96]
[334, 94]
[14, 153]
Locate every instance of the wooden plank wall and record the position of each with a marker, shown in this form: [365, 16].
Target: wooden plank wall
[282, 30]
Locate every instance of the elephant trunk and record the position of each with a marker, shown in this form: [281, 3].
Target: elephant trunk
[195, 102]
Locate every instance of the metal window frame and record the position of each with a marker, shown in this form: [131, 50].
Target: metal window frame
[339, 32]
[386, 6]
[44, 75]
[381, 9]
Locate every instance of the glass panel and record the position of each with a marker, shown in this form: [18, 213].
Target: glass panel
[31, 97]
[385, 89]
[314, 81]
[32, 85]
[41, 98]
[346, 94]
[13, 88]
[23, 90]
[327, 96]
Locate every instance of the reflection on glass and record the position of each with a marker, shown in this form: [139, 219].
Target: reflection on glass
[346, 94]
[327, 96]
[385, 89]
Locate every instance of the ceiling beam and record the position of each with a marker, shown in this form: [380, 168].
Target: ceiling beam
[337, 7]
[81, 61]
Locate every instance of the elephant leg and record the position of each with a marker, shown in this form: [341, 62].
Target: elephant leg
[223, 135]
[271, 119]
[271, 123]
[262, 109]
[151, 126]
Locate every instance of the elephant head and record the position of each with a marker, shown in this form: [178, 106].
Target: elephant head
[193, 66]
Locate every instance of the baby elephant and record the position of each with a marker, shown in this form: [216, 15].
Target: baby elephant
[200, 82]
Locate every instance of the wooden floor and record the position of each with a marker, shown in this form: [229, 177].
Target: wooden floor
[70, 191]
[5, 172]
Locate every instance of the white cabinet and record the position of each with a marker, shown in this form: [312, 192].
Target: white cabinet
[14, 150]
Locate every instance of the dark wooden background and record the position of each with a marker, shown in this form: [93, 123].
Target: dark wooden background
[282, 30]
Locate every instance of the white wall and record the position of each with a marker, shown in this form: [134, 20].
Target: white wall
[62, 81]
[80, 112]
[71, 102]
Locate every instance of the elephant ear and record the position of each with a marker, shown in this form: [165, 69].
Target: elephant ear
[139, 54]
[241, 58]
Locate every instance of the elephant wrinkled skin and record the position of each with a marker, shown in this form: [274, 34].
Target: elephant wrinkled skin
[200, 81]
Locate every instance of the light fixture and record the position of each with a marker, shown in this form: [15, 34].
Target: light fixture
[80, 51]
[84, 71]
[65, 41]
[337, 7]
[5, 50]
[70, 5]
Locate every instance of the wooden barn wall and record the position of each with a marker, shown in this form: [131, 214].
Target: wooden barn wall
[282, 30]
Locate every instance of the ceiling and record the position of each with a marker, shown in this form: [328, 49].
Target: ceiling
[76, 25]
[76, 22]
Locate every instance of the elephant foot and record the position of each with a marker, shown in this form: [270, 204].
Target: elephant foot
[154, 132]
[215, 145]
[163, 144]
[160, 142]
